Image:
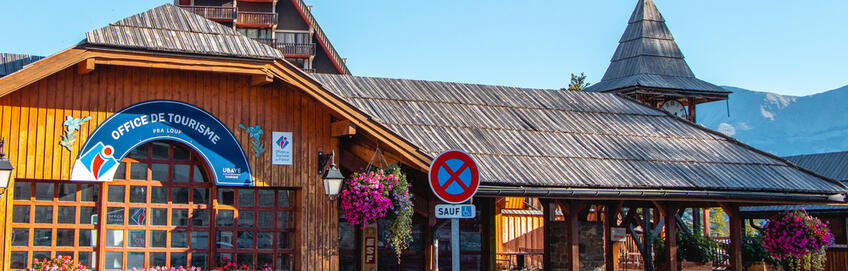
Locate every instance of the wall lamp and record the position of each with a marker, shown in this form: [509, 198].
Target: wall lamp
[332, 177]
[5, 169]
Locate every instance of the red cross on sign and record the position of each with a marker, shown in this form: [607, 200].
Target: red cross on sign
[454, 177]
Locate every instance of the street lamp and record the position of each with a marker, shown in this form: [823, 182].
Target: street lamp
[5, 169]
[332, 177]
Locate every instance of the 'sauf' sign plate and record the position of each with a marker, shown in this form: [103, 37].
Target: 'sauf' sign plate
[455, 211]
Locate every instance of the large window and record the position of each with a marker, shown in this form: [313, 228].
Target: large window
[162, 209]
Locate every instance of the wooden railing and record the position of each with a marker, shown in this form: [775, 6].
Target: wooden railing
[257, 18]
[269, 42]
[212, 13]
[722, 258]
[290, 48]
[296, 48]
[321, 36]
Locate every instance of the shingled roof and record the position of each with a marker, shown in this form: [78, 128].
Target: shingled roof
[549, 138]
[833, 165]
[647, 56]
[10, 63]
[173, 30]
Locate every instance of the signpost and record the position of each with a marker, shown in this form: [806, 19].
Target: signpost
[454, 178]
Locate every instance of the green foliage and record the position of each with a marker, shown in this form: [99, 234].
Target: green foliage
[400, 232]
[696, 247]
[753, 251]
[690, 247]
[578, 83]
[719, 222]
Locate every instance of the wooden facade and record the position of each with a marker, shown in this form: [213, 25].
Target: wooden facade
[32, 126]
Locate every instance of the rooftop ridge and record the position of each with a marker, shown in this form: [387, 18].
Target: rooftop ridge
[167, 28]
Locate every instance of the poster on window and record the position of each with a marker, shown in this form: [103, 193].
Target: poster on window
[281, 150]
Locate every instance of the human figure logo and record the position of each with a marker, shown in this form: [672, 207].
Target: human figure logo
[97, 164]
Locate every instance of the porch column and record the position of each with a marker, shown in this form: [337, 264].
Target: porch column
[670, 212]
[548, 211]
[735, 228]
[573, 236]
[430, 251]
[610, 248]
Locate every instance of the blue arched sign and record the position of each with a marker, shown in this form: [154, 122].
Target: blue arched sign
[162, 120]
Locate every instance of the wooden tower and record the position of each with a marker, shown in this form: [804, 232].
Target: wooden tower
[648, 66]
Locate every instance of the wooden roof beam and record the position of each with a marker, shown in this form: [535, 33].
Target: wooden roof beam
[257, 80]
[86, 66]
[342, 128]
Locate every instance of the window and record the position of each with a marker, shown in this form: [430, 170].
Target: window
[162, 209]
[148, 212]
[255, 227]
[52, 219]
[294, 37]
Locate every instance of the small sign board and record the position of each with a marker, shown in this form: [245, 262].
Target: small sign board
[618, 234]
[369, 248]
[281, 148]
[455, 211]
[454, 177]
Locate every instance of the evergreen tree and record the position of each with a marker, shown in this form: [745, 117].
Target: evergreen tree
[578, 82]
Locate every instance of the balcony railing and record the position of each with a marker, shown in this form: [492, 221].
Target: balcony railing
[296, 48]
[213, 13]
[290, 48]
[269, 42]
[257, 18]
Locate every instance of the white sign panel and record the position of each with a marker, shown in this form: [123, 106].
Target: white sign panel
[281, 148]
[618, 234]
[455, 211]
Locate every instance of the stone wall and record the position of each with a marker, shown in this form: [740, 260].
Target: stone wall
[591, 245]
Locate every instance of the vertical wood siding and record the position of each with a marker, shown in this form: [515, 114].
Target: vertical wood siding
[519, 233]
[32, 126]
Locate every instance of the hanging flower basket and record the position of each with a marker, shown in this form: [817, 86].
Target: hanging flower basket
[797, 238]
[370, 195]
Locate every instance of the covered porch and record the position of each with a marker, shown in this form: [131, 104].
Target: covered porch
[579, 233]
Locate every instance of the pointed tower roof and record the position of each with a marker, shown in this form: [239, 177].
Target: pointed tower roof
[648, 57]
[170, 29]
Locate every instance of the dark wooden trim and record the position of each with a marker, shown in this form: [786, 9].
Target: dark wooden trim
[573, 235]
[489, 242]
[735, 228]
[610, 220]
[549, 211]
[670, 212]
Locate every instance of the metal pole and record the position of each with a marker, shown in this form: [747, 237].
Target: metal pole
[436, 250]
[455, 244]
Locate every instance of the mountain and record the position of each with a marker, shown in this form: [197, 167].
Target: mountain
[780, 124]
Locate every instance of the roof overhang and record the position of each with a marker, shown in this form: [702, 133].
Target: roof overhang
[279, 70]
[703, 95]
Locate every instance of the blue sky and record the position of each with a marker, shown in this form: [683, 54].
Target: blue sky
[788, 47]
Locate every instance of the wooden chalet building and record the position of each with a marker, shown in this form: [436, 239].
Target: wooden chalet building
[141, 147]
[286, 25]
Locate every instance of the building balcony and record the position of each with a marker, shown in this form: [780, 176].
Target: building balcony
[213, 13]
[256, 19]
[289, 48]
[296, 49]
